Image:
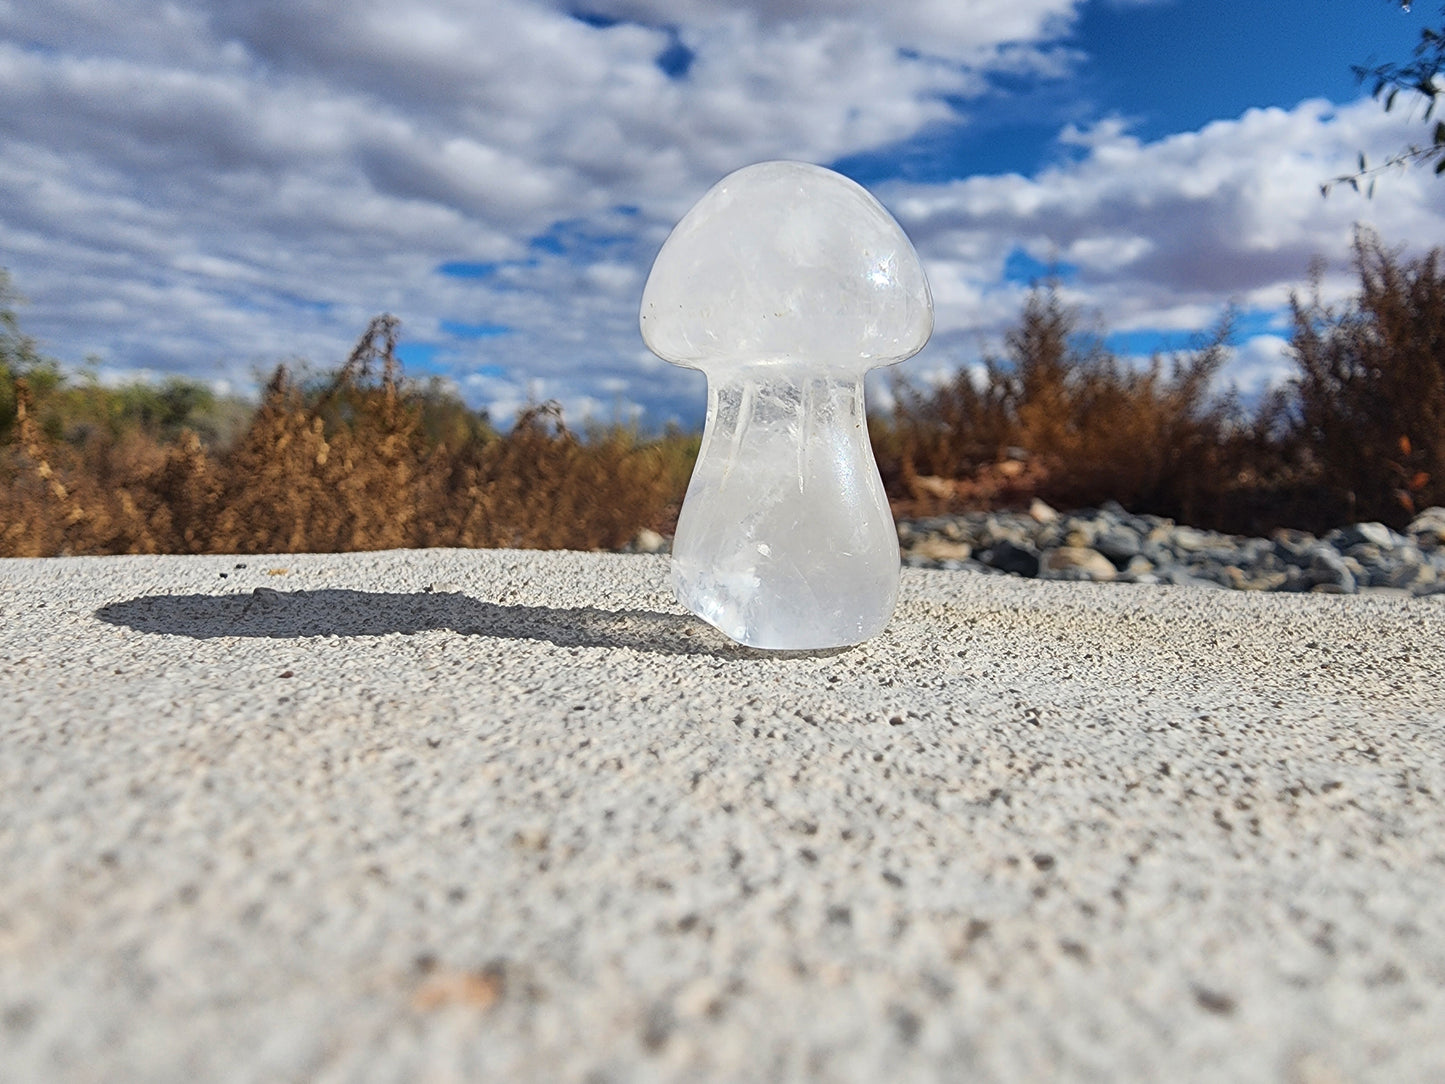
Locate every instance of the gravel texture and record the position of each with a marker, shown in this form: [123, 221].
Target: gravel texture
[462, 816]
[1109, 545]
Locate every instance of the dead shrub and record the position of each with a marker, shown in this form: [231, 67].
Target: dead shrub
[365, 461]
[370, 460]
[1090, 427]
[61, 499]
[541, 487]
[1369, 401]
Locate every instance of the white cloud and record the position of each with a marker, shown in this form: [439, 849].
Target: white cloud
[927, 25]
[209, 187]
[1259, 364]
[1107, 253]
[1165, 235]
[217, 186]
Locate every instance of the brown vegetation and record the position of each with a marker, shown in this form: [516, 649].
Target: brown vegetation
[366, 462]
[369, 460]
[1359, 433]
[1369, 409]
[1082, 425]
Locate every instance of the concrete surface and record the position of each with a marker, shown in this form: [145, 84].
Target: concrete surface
[451, 816]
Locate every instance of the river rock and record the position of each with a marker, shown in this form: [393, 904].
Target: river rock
[1119, 544]
[1428, 528]
[1041, 512]
[1376, 534]
[942, 549]
[1330, 570]
[1076, 562]
[1109, 544]
[1021, 560]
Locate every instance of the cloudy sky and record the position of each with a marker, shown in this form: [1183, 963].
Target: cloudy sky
[210, 187]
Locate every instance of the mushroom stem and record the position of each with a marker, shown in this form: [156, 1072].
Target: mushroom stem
[785, 538]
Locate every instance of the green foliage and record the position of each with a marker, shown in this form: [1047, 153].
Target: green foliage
[76, 411]
[18, 358]
[1422, 81]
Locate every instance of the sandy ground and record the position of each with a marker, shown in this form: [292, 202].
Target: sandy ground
[463, 816]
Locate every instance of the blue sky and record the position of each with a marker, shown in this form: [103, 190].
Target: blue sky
[1232, 56]
[210, 188]
[1165, 66]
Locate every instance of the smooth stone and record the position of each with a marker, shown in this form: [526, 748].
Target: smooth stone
[1041, 511]
[1214, 573]
[1374, 533]
[1367, 553]
[1429, 525]
[995, 533]
[1190, 539]
[1264, 581]
[1021, 560]
[1119, 544]
[1294, 547]
[1408, 576]
[1328, 567]
[939, 549]
[1090, 563]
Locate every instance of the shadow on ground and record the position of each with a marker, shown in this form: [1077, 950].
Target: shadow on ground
[289, 614]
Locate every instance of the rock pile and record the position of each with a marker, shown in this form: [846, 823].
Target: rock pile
[1108, 544]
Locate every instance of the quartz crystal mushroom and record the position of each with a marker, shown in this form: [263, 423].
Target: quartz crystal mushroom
[785, 284]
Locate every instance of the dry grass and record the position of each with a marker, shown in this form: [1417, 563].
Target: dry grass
[1062, 418]
[1368, 408]
[355, 466]
[1358, 434]
[368, 460]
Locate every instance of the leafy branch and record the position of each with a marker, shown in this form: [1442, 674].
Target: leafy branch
[1421, 79]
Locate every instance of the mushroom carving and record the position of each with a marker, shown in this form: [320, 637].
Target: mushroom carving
[785, 284]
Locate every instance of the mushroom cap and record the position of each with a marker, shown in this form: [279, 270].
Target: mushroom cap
[787, 262]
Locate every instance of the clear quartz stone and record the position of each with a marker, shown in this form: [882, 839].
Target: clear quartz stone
[785, 539]
[785, 284]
